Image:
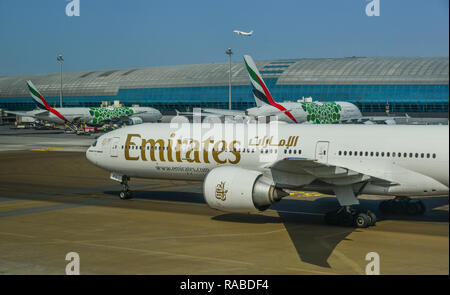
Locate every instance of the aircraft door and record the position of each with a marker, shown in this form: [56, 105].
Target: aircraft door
[114, 146]
[322, 151]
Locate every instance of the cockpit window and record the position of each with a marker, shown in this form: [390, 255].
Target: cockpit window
[95, 143]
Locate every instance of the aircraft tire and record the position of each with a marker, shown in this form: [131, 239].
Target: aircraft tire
[362, 220]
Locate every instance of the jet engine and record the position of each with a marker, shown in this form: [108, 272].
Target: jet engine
[236, 189]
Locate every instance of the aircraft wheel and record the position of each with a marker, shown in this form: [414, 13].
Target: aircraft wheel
[372, 217]
[124, 195]
[362, 220]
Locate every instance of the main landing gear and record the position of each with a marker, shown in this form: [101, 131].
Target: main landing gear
[125, 193]
[402, 205]
[351, 216]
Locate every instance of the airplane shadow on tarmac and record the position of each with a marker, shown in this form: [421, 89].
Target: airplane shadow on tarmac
[313, 240]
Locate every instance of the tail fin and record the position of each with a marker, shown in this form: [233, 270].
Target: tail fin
[251, 32]
[260, 91]
[37, 97]
[42, 103]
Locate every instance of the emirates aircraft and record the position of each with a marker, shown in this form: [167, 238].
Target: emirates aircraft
[304, 112]
[290, 112]
[248, 167]
[92, 116]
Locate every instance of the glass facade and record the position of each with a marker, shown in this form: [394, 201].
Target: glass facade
[406, 84]
[369, 98]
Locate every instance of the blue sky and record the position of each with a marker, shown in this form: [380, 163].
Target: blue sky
[112, 34]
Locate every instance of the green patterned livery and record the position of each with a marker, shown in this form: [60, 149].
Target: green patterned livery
[105, 114]
[322, 113]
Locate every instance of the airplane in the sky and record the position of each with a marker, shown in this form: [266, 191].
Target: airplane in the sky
[91, 116]
[248, 167]
[242, 33]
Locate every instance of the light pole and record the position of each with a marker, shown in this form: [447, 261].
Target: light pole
[60, 59]
[229, 53]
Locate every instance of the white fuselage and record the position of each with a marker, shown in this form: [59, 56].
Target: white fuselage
[414, 158]
[348, 111]
[147, 114]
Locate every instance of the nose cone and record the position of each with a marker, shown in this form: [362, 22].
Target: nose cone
[90, 156]
[158, 115]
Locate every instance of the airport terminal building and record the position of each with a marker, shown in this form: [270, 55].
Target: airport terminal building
[406, 84]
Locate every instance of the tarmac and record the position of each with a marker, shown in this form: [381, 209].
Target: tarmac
[53, 202]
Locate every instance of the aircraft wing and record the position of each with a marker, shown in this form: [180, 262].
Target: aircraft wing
[28, 114]
[217, 112]
[294, 173]
[224, 112]
[391, 120]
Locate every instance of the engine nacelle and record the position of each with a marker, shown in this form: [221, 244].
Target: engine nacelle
[236, 189]
[135, 121]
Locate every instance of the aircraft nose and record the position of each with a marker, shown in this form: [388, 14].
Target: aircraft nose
[158, 115]
[90, 155]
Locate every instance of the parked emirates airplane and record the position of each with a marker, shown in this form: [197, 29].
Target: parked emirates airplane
[92, 116]
[248, 167]
[290, 112]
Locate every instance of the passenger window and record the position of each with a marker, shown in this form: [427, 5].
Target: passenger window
[428, 156]
[371, 154]
[376, 154]
[434, 156]
[417, 155]
[422, 155]
[350, 153]
[366, 154]
[345, 153]
[382, 154]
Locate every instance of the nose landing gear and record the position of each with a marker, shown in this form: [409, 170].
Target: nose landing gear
[125, 193]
